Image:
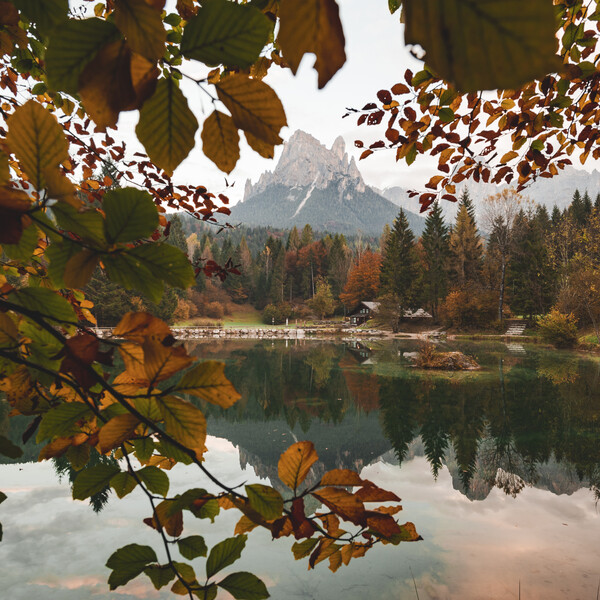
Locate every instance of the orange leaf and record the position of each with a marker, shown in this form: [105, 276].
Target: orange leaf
[383, 524]
[161, 362]
[141, 325]
[509, 156]
[295, 463]
[244, 525]
[342, 477]
[372, 493]
[116, 431]
[342, 503]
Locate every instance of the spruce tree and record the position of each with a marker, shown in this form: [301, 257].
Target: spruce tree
[307, 236]
[436, 246]
[176, 236]
[465, 245]
[577, 209]
[399, 269]
[556, 216]
[293, 241]
[597, 202]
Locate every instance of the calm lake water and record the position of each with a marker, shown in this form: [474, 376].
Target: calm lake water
[499, 470]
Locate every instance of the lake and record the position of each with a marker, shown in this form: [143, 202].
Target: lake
[499, 470]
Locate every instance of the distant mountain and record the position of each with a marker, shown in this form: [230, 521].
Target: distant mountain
[319, 186]
[547, 192]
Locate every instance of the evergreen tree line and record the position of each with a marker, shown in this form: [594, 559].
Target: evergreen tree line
[528, 262]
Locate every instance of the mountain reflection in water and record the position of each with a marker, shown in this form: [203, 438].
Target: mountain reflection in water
[529, 418]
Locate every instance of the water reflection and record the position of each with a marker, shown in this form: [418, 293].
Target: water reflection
[527, 418]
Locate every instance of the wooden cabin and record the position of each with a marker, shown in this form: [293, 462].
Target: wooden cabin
[363, 312]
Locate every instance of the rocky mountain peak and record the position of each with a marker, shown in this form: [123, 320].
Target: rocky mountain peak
[307, 162]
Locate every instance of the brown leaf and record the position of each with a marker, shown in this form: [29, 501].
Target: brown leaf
[171, 522]
[254, 107]
[383, 524]
[13, 205]
[312, 26]
[342, 503]
[324, 550]
[80, 268]
[61, 188]
[140, 325]
[118, 430]
[342, 477]
[79, 354]
[372, 493]
[8, 14]
[295, 463]
[142, 26]
[221, 141]
[244, 525]
[114, 81]
[265, 149]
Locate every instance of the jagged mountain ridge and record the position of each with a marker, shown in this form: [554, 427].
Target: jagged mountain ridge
[319, 186]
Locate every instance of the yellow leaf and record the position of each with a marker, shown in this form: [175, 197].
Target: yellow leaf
[254, 107]
[295, 463]
[140, 325]
[161, 362]
[37, 140]
[509, 156]
[61, 188]
[116, 431]
[142, 26]
[265, 149]
[244, 525]
[135, 372]
[185, 422]
[221, 141]
[80, 268]
[114, 81]
[208, 381]
[312, 26]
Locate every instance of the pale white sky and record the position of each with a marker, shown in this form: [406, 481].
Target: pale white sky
[377, 58]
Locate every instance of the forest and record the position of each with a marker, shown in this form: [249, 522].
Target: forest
[518, 261]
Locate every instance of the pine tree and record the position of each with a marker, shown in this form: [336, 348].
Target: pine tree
[597, 202]
[399, 269]
[577, 209]
[339, 260]
[465, 245]
[293, 241]
[176, 236]
[587, 206]
[556, 216]
[436, 251]
[307, 236]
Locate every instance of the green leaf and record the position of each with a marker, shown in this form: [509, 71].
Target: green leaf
[128, 562]
[167, 126]
[209, 510]
[446, 115]
[7, 448]
[411, 155]
[226, 33]
[45, 302]
[265, 500]
[224, 554]
[72, 47]
[192, 547]
[93, 480]
[160, 575]
[23, 251]
[244, 586]
[144, 448]
[304, 548]
[89, 225]
[59, 254]
[156, 481]
[123, 483]
[520, 40]
[46, 15]
[127, 271]
[130, 215]
[394, 5]
[37, 140]
[166, 262]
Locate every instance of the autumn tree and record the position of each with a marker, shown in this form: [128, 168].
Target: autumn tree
[363, 279]
[322, 303]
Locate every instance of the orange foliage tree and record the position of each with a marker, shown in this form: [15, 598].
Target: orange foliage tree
[363, 279]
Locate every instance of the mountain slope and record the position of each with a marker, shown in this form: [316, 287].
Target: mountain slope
[319, 186]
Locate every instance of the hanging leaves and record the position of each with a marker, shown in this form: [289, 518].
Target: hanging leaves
[184, 422]
[520, 52]
[254, 107]
[93, 480]
[221, 140]
[226, 33]
[224, 554]
[295, 463]
[167, 126]
[72, 47]
[142, 26]
[130, 215]
[312, 26]
[37, 140]
[128, 562]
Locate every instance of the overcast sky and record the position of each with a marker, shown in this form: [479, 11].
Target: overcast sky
[377, 58]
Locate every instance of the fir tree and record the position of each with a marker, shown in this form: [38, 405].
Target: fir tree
[293, 241]
[597, 202]
[339, 259]
[176, 236]
[465, 245]
[399, 268]
[436, 251]
[587, 206]
[307, 236]
[556, 216]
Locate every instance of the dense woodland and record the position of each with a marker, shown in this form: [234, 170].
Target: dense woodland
[518, 261]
